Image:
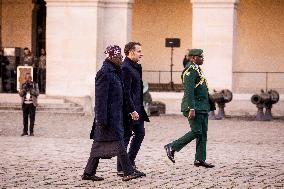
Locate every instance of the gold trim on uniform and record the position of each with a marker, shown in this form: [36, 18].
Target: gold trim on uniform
[202, 78]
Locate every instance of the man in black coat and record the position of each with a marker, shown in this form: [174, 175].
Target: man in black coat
[107, 131]
[133, 91]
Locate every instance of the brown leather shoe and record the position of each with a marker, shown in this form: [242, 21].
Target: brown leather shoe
[91, 177]
[170, 152]
[202, 163]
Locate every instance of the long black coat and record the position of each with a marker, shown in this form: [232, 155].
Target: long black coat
[133, 89]
[108, 122]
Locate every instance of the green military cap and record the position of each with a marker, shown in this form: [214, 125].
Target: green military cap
[195, 52]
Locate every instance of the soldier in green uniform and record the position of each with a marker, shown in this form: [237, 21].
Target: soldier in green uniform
[195, 106]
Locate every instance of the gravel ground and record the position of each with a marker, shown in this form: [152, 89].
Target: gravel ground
[247, 154]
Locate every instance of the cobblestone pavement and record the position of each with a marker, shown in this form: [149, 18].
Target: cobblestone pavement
[247, 154]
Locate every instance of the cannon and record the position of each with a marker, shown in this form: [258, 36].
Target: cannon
[265, 100]
[152, 108]
[221, 98]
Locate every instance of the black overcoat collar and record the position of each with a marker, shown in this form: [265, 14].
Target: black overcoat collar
[133, 64]
[112, 67]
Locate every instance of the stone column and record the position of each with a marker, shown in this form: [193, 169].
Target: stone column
[116, 25]
[214, 30]
[71, 46]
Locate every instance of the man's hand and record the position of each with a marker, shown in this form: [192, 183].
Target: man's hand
[134, 115]
[191, 115]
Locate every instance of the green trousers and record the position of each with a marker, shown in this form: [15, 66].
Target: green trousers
[199, 127]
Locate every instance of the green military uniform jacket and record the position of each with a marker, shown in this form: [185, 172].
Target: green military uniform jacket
[195, 90]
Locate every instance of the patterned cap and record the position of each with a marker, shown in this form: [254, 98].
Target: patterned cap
[112, 51]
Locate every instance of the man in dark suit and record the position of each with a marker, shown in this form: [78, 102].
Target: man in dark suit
[195, 106]
[133, 90]
[107, 131]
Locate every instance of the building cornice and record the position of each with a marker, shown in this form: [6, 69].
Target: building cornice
[116, 3]
[215, 3]
[72, 3]
[87, 3]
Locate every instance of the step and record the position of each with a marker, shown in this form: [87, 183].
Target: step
[12, 103]
[48, 105]
[48, 112]
[15, 98]
[77, 108]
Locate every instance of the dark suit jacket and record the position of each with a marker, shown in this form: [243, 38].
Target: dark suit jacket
[133, 89]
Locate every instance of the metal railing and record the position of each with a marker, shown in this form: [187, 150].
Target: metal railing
[159, 76]
[163, 80]
[265, 73]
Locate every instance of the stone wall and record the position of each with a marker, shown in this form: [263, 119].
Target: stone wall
[153, 21]
[17, 23]
[260, 44]
[259, 40]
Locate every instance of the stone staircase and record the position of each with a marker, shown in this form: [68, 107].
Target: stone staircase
[12, 103]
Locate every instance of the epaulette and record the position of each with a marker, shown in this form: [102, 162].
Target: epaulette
[186, 72]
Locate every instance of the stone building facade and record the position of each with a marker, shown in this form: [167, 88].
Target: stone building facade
[242, 39]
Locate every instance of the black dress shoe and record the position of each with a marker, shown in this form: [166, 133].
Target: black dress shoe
[91, 177]
[134, 175]
[121, 173]
[23, 134]
[139, 172]
[202, 163]
[32, 134]
[170, 152]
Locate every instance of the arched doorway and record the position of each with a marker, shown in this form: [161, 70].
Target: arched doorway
[39, 27]
[39, 42]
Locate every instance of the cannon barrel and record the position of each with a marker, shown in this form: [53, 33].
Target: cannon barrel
[220, 97]
[271, 96]
[223, 96]
[265, 100]
[260, 98]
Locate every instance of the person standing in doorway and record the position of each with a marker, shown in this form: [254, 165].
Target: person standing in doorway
[29, 93]
[4, 62]
[133, 90]
[42, 71]
[29, 59]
